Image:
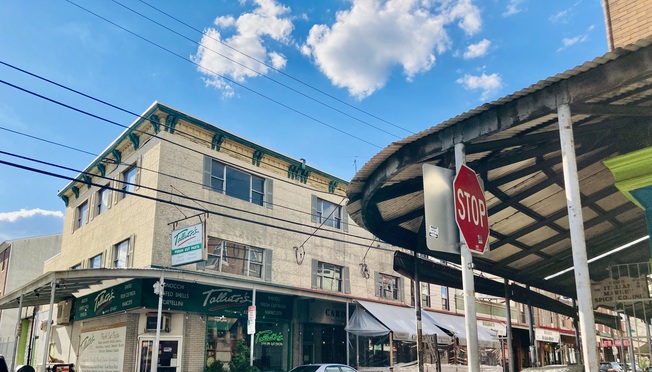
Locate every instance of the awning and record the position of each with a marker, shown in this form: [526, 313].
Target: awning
[403, 323]
[456, 324]
[362, 323]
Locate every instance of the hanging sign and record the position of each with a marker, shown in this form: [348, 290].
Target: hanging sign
[188, 244]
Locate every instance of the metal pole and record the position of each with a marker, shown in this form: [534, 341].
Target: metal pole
[46, 344]
[533, 344]
[159, 288]
[348, 349]
[468, 286]
[630, 348]
[578, 243]
[31, 335]
[508, 327]
[14, 352]
[578, 345]
[417, 309]
[253, 335]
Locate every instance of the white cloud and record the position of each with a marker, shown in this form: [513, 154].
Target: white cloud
[488, 84]
[266, 21]
[512, 8]
[478, 49]
[359, 51]
[27, 213]
[570, 41]
[560, 17]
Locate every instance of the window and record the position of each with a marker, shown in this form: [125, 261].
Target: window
[326, 213]
[329, 277]
[76, 267]
[387, 286]
[239, 259]
[102, 200]
[129, 176]
[82, 215]
[444, 299]
[234, 182]
[95, 262]
[425, 294]
[120, 253]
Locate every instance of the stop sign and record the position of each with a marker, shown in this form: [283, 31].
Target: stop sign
[471, 209]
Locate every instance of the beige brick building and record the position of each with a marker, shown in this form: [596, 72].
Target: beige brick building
[627, 21]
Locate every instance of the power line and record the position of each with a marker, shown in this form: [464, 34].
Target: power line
[274, 68]
[113, 106]
[227, 79]
[256, 72]
[170, 202]
[177, 178]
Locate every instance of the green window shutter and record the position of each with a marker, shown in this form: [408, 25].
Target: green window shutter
[207, 171]
[313, 209]
[268, 265]
[313, 276]
[345, 219]
[269, 193]
[401, 289]
[377, 283]
[346, 283]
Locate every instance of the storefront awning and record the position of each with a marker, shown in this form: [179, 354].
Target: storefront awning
[402, 322]
[486, 337]
[362, 323]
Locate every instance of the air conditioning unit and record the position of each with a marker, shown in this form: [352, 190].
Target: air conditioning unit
[150, 324]
[64, 309]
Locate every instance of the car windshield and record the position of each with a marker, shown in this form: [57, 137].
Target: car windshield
[307, 368]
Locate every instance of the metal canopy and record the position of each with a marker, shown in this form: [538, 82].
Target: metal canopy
[513, 144]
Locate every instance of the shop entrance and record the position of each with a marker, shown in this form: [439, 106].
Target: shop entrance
[168, 360]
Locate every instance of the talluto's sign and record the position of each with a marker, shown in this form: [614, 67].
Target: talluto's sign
[188, 245]
[608, 292]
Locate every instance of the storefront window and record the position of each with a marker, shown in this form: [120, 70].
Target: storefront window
[222, 336]
[271, 346]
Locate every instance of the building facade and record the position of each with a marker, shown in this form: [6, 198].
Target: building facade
[276, 233]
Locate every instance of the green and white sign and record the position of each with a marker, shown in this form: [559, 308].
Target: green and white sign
[188, 245]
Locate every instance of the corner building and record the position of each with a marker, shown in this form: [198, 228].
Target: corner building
[277, 236]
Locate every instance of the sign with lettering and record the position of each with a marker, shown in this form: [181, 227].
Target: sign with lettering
[188, 245]
[273, 306]
[608, 292]
[327, 312]
[269, 337]
[102, 348]
[547, 335]
[110, 300]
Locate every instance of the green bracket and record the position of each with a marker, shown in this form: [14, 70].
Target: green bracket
[216, 144]
[331, 186]
[87, 180]
[65, 200]
[117, 155]
[257, 157]
[135, 140]
[171, 123]
[75, 190]
[102, 169]
[156, 123]
[296, 172]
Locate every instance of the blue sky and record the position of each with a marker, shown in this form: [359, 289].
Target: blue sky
[339, 79]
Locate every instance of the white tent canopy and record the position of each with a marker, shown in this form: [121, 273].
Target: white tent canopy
[486, 337]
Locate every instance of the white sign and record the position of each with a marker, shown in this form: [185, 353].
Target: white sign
[547, 335]
[102, 349]
[610, 291]
[188, 245]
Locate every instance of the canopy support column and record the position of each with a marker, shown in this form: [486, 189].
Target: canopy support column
[19, 321]
[508, 327]
[578, 242]
[46, 344]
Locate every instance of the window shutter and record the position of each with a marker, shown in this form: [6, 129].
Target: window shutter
[268, 265]
[139, 165]
[345, 219]
[346, 283]
[313, 277]
[130, 251]
[207, 171]
[401, 289]
[108, 258]
[377, 283]
[117, 185]
[269, 193]
[313, 209]
[91, 206]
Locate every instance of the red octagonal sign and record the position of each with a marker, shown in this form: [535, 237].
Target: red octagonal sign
[471, 209]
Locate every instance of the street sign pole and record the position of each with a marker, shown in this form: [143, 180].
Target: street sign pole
[468, 287]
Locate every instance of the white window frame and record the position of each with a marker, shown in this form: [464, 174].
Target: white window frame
[123, 246]
[129, 180]
[99, 257]
[100, 201]
[257, 197]
[81, 215]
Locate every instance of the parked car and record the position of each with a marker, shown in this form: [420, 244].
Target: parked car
[611, 367]
[638, 368]
[324, 367]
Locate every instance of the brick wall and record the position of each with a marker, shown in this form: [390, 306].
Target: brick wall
[627, 21]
